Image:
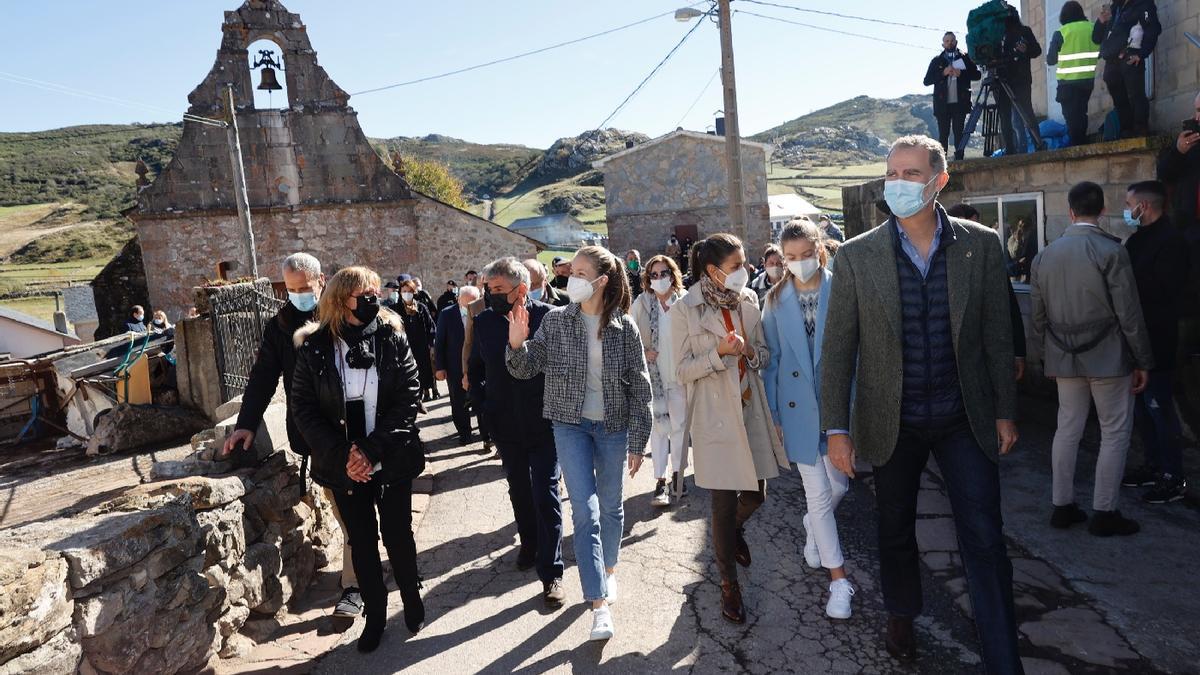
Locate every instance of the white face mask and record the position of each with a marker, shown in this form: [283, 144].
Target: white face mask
[580, 289]
[804, 269]
[660, 286]
[408, 297]
[736, 281]
[773, 272]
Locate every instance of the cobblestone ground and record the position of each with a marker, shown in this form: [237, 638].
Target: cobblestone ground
[486, 616]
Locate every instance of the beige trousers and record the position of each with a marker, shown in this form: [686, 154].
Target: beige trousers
[1114, 407]
[349, 579]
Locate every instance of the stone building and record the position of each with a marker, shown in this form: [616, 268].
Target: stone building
[678, 184]
[314, 182]
[117, 288]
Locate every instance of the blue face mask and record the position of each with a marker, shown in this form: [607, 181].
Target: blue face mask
[305, 302]
[905, 197]
[1131, 221]
[535, 294]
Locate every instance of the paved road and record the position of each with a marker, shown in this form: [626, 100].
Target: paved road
[485, 615]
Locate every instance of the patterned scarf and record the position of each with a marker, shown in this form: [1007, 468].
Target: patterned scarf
[719, 296]
[657, 390]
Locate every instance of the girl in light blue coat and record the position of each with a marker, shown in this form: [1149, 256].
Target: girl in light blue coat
[794, 323]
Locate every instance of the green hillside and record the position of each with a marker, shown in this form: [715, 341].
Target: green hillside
[483, 169]
[886, 118]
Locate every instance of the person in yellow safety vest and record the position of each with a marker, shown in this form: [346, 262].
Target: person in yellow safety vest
[1076, 55]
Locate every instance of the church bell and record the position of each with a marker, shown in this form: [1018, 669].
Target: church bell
[268, 81]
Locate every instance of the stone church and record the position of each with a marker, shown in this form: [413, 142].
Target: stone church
[314, 183]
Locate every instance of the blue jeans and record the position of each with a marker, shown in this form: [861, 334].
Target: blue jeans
[1155, 416]
[593, 463]
[973, 483]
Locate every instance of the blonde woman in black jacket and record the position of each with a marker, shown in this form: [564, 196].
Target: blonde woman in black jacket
[355, 394]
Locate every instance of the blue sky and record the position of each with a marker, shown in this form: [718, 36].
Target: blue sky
[154, 53]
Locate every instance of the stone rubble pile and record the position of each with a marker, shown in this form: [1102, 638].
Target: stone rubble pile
[169, 575]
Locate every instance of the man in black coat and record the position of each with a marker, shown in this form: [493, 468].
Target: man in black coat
[1127, 32]
[951, 73]
[1159, 257]
[276, 357]
[524, 438]
[447, 358]
[1018, 49]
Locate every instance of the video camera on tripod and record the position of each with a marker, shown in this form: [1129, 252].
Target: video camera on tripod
[986, 27]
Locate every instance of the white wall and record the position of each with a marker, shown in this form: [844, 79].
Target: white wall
[23, 341]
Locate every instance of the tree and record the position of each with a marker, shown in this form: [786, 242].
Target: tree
[429, 177]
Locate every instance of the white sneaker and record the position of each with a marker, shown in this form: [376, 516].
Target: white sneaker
[812, 554]
[610, 587]
[840, 593]
[602, 624]
[662, 496]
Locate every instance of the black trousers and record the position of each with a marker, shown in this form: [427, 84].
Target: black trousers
[730, 511]
[393, 503]
[460, 406]
[531, 468]
[1022, 99]
[952, 118]
[973, 482]
[1127, 86]
[1074, 98]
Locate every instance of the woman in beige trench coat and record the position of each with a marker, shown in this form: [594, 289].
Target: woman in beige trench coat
[716, 331]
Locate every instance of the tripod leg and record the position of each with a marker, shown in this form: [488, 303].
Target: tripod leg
[976, 112]
[1025, 115]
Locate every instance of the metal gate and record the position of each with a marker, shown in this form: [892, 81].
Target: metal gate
[239, 315]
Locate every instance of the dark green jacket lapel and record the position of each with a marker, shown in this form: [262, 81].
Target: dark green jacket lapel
[881, 269]
[956, 245]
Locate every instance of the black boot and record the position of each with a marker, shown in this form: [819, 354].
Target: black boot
[414, 607]
[373, 630]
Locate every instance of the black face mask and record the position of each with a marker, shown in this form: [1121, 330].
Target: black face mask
[499, 303]
[367, 308]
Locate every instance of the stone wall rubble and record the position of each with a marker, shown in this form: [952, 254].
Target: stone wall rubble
[166, 576]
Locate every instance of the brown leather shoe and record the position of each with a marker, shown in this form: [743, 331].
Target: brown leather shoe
[742, 553]
[731, 602]
[901, 640]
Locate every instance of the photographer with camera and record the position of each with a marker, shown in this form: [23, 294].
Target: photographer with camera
[951, 73]
[1127, 32]
[1018, 48]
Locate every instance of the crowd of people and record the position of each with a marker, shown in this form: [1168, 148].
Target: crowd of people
[1123, 36]
[909, 345]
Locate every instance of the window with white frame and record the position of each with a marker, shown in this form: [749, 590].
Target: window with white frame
[1020, 221]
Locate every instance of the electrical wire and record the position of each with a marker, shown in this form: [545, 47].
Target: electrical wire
[698, 97]
[81, 93]
[522, 55]
[832, 30]
[842, 16]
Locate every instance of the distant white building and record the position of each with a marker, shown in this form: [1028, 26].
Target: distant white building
[787, 207]
[23, 336]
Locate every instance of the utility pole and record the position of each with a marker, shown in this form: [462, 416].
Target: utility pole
[733, 140]
[240, 194]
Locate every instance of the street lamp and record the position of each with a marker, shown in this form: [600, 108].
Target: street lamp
[733, 141]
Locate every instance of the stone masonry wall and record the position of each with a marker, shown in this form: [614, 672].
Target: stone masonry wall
[161, 578]
[678, 174]
[436, 241]
[648, 232]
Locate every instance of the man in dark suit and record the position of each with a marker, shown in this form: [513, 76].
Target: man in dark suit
[447, 359]
[918, 324]
[524, 438]
[951, 73]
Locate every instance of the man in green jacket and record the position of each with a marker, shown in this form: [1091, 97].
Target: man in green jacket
[918, 321]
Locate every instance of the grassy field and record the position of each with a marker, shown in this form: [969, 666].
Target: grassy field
[15, 277]
[821, 185]
[39, 307]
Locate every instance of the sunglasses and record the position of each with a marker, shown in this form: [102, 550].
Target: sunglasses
[665, 274]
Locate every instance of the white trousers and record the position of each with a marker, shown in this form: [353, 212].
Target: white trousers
[1114, 408]
[666, 439]
[824, 487]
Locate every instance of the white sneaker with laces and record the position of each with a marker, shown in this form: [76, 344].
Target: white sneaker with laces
[812, 554]
[602, 624]
[840, 593]
[610, 587]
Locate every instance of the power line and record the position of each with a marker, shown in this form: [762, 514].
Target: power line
[698, 97]
[842, 16]
[832, 30]
[522, 55]
[73, 91]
